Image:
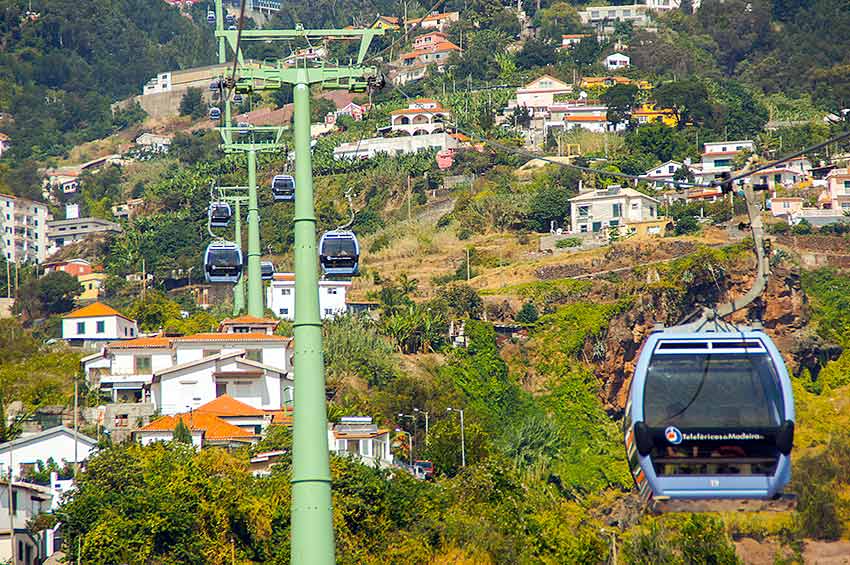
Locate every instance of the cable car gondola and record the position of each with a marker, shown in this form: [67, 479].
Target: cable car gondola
[222, 262]
[237, 98]
[339, 253]
[231, 28]
[215, 85]
[229, 20]
[214, 113]
[210, 17]
[709, 424]
[244, 127]
[266, 270]
[283, 188]
[220, 214]
[710, 416]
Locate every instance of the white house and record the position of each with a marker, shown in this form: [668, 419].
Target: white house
[97, 323]
[28, 501]
[423, 116]
[155, 143]
[56, 443]
[663, 172]
[541, 93]
[124, 369]
[219, 364]
[613, 206]
[604, 15]
[280, 296]
[591, 115]
[358, 437]
[717, 156]
[392, 146]
[570, 40]
[617, 61]
[24, 226]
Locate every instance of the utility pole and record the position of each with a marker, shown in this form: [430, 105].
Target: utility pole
[462, 439]
[312, 525]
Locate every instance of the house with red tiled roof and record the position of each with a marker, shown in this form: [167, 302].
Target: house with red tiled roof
[206, 430]
[97, 323]
[248, 324]
[238, 413]
[433, 54]
[434, 20]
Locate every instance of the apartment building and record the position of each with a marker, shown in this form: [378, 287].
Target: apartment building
[24, 225]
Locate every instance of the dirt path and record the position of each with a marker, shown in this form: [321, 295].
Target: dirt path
[753, 552]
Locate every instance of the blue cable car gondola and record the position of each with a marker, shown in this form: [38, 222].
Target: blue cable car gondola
[219, 214]
[339, 253]
[710, 416]
[210, 17]
[215, 85]
[222, 262]
[229, 20]
[237, 98]
[215, 113]
[283, 188]
[231, 28]
[266, 270]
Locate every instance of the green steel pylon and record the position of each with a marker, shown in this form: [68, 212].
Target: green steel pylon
[312, 518]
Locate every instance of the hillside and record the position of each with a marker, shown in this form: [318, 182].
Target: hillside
[505, 316]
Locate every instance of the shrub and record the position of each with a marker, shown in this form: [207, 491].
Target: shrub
[778, 229]
[380, 243]
[527, 314]
[568, 242]
[802, 228]
[686, 225]
[464, 234]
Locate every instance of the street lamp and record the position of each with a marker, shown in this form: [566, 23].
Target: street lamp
[418, 411]
[462, 441]
[410, 436]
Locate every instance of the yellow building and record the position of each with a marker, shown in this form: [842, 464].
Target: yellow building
[386, 23]
[605, 82]
[648, 113]
[92, 284]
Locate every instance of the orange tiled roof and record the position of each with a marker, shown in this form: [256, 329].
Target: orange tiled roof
[163, 342]
[283, 417]
[96, 309]
[249, 320]
[231, 337]
[226, 405]
[438, 109]
[284, 276]
[212, 426]
[586, 119]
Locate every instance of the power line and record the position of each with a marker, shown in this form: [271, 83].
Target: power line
[800, 153]
[238, 41]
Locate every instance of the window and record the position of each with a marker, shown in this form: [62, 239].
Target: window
[847, 186]
[283, 311]
[584, 211]
[722, 162]
[81, 328]
[285, 291]
[132, 332]
[143, 364]
[254, 355]
[652, 211]
[332, 290]
[671, 169]
[328, 312]
[101, 326]
[786, 204]
[582, 228]
[616, 210]
[613, 223]
[220, 389]
[635, 205]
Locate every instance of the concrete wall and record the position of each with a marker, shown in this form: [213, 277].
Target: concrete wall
[167, 104]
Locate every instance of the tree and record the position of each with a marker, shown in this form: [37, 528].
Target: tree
[556, 20]
[462, 300]
[319, 107]
[686, 225]
[620, 99]
[182, 434]
[738, 26]
[535, 53]
[192, 103]
[527, 314]
[54, 293]
[687, 98]
[661, 141]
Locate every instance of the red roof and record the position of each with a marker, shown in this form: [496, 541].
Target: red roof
[231, 337]
[212, 426]
[250, 320]
[226, 405]
[150, 342]
[96, 309]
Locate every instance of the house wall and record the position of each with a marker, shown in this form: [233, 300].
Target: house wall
[115, 328]
[190, 388]
[601, 210]
[124, 360]
[394, 145]
[273, 353]
[280, 297]
[782, 206]
[60, 447]
[146, 438]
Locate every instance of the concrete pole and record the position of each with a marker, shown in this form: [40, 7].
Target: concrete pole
[462, 442]
[255, 283]
[239, 287]
[312, 518]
